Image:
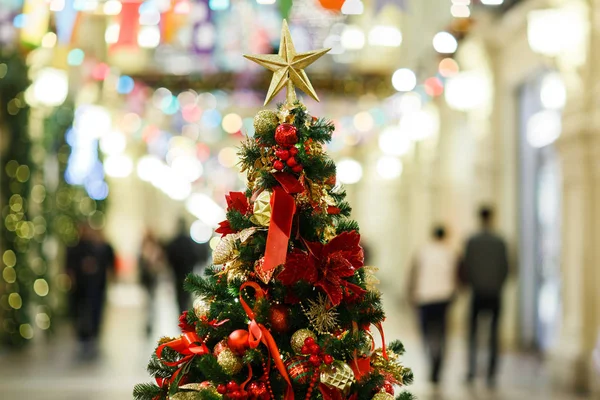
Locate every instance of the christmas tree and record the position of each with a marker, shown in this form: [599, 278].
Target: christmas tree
[287, 309]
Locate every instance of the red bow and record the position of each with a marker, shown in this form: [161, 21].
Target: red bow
[188, 345]
[259, 333]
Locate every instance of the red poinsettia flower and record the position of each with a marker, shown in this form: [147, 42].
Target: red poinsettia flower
[235, 201]
[184, 324]
[326, 266]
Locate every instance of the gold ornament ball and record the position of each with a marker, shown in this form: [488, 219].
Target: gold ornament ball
[299, 337]
[265, 123]
[201, 307]
[383, 396]
[230, 363]
[338, 375]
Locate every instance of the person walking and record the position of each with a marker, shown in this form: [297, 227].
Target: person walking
[151, 263]
[183, 254]
[485, 269]
[89, 263]
[432, 284]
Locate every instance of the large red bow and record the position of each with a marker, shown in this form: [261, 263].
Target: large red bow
[259, 333]
[188, 345]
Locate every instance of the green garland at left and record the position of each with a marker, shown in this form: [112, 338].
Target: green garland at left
[18, 229]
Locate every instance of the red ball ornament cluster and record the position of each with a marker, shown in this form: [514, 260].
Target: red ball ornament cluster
[238, 341]
[255, 391]
[286, 136]
[315, 352]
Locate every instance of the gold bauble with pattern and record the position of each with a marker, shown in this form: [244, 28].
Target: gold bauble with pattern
[201, 307]
[338, 375]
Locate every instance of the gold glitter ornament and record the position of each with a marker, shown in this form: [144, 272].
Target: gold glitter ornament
[230, 363]
[262, 209]
[299, 337]
[201, 307]
[383, 396]
[236, 274]
[225, 250]
[190, 391]
[338, 375]
[321, 314]
[391, 366]
[265, 123]
[370, 278]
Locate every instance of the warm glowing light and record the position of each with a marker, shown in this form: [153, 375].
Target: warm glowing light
[434, 86]
[444, 43]
[214, 242]
[543, 128]
[460, 11]
[205, 209]
[492, 2]
[349, 171]
[389, 167]
[448, 68]
[553, 93]
[112, 7]
[15, 301]
[353, 38]
[228, 157]
[353, 7]
[51, 87]
[118, 166]
[232, 123]
[57, 5]
[466, 91]
[111, 34]
[385, 35]
[393, 142]
[420, 125]
[149, 166]
[363, 121]
[131, 122]
[49, 40]
[92, 121]
[113, 143]
[149, 37]
[188, 167]
[409, 102]
[404, 80]
[555, 30]
[41, 288]
[149, 16]
[200, 232]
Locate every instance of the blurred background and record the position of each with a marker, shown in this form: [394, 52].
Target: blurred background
[119, 121]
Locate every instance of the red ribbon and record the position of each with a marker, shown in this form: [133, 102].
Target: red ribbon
[259, 333]
[289, 182]
[188, 344]
[283, 208]
[380, 328]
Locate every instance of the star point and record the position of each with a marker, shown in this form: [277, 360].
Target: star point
[288, 67]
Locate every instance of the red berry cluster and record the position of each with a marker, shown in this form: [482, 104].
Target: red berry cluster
[286, 136]
[317, 357]
[287, 157]
[256, 391]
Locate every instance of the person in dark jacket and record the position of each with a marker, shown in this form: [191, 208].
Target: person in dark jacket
[183, 254]
[89, 263]
[485, 270]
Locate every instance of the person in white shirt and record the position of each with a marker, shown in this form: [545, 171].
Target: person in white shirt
[432, 284]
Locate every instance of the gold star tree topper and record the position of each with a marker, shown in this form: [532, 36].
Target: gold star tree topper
[288, 67]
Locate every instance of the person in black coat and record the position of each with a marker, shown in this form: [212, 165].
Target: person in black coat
[485, 270]
[89, 263]
[183, 254]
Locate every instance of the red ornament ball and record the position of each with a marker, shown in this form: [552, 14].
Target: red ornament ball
[278, 165]
[309, 341]
[327, 359]
[232, 386]
[331, 180]
[388, 387]
[299, 369]
[279, 318]
[293, 151]
[238, 341]
[219, 347]
[314, 348]
[305, 349]
[282, 154]
[257, 389]
[286, 135]
[298, 168]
